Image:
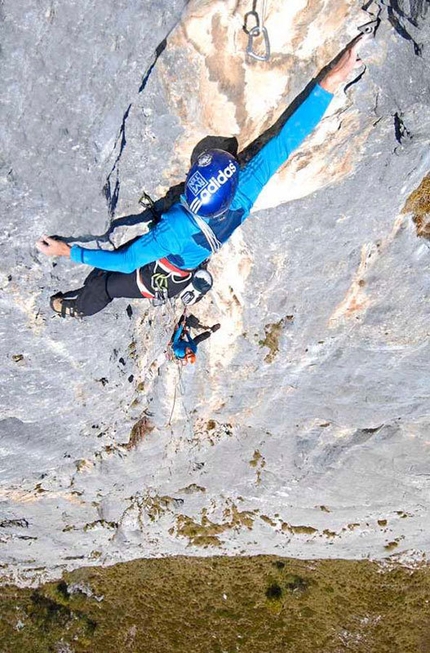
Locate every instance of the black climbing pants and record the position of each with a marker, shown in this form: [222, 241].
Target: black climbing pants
[101, 287]
[193, 322]
[202, 336]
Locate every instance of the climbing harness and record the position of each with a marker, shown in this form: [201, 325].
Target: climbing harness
[162, 281]
[257, 31]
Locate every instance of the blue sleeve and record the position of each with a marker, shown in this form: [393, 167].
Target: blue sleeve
[157, 243]
[263, 165]
[177, 334]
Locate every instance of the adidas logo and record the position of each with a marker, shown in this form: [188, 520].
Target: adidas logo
[205, 189]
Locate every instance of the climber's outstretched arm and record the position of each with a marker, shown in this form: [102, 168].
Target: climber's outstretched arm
[301, 123]
[157, 243]
[178, 333]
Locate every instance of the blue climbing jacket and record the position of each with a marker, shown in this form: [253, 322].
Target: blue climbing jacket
[178, 237]
[182, 341]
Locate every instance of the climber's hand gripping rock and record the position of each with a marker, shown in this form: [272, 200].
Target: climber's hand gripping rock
[52, 247]
[341, 70]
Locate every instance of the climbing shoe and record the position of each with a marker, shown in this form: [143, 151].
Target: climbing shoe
[63, 306]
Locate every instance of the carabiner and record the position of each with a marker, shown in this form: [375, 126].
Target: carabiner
[245, 22]
[254, 33]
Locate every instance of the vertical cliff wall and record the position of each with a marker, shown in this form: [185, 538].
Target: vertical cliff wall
[303, 428]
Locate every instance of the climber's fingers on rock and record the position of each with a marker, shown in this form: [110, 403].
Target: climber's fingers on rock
[52, 247]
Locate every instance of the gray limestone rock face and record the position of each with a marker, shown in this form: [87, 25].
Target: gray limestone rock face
[302, 430]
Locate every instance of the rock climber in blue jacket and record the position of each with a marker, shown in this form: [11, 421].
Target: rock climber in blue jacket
[184, 346]
[218, 198]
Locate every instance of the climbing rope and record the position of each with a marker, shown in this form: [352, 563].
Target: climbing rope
[256, 32]
[179, 389]
[179, 386]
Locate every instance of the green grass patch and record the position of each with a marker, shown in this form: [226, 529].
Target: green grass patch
[219, 604]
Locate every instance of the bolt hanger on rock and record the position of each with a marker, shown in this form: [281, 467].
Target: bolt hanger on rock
[370, 28]
[257, 31]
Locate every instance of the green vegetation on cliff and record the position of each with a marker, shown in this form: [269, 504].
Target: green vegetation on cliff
[223, 605]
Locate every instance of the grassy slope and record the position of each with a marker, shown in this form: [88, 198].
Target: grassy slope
[221, 605]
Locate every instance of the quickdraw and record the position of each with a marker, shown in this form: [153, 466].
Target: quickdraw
[147, 202]
[257, 31]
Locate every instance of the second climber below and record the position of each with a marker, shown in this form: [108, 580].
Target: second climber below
[183, 344]
[218, 197]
